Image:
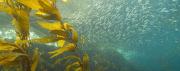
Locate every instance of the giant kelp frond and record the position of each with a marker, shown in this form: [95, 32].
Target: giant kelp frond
[33, 4]
[73, 57]
[60, 50]
[85, 62]
[67, 35]
[71, 67]
[44, 39]
[10, 47]
[51, 26]
[4, 7]
[5, 46]
[78, 69]
[10, 58]
[78, 64]
[1, 0]
[35, 60]
[62, 33]
[61, 43]
[49, 10]
[74, 36]
[20, 15]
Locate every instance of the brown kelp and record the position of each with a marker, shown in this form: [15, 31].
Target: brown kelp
[16, 54]
[77, 64]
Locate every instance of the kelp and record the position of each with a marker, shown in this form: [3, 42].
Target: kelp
[62, 33]
[71, 66]
[67, 58]
[79, 64]
[44, 40]
[85, 62]
[51, 26]
[11, 54]
[5, 46]
[9, 58]
[60, 50]
[35, 60]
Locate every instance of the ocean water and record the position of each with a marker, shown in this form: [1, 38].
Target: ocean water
[145, 32]
[122, 35]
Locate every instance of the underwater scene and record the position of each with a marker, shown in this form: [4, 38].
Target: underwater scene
[89, 35]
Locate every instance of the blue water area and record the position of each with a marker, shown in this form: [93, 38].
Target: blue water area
[145, 32]
[140, 34]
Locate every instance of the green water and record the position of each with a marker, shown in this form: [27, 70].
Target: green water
[121, 35]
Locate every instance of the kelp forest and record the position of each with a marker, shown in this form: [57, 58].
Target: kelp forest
[20, 55]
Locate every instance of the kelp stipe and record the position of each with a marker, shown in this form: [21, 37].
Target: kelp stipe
[16, 57]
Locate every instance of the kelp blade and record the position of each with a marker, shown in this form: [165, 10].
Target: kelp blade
[85, 62]
[33, 4]
[35, 60]
[9, 57]
[59, 51]
[51, 26]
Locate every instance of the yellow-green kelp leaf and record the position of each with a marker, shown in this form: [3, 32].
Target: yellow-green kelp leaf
[5, 46]
[35, 60]
[4, 8]
[21, 21]
[1, 0]
[67, 26]
[45, 40]
[51, 26]
[8, 58]
[20, 14]
[72, 66]
[74, 35]
[79, 69]
[66, 58]
[33, 4]
[60, 32]
[61, 50]
[50, 9]
[47, 16]
[85, 62]
[21, 24]
[61, 43]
